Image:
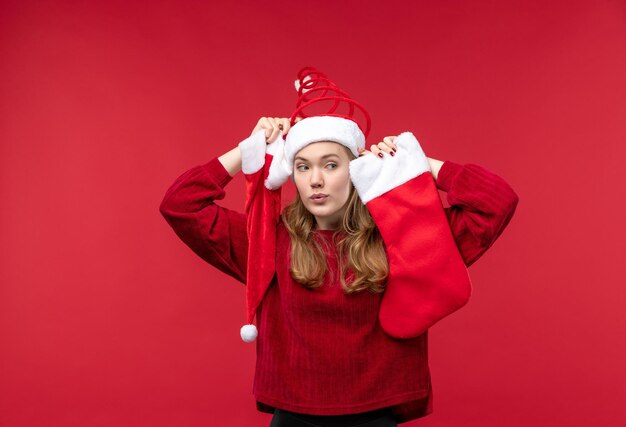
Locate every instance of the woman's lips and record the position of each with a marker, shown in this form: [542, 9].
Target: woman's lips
[319, 199]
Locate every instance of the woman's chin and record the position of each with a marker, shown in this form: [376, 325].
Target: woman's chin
[321, 211]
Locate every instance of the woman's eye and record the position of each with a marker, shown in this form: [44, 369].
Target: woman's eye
[302, 168]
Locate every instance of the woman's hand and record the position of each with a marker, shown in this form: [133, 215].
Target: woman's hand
[387, 145]
[272, 126]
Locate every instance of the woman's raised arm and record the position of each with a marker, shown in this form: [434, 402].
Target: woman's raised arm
[216, 234]
[481, 206]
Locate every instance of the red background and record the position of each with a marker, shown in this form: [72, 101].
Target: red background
[106, 318]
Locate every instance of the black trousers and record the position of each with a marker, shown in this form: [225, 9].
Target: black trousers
[378, 418]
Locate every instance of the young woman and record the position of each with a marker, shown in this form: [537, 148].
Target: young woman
[324, 360]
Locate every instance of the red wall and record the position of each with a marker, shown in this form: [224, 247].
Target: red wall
[107, 319]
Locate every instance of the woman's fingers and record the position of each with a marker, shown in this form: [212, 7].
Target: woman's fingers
[386, 146]
[267, 125]
[279, 122]
[272, 126]
[363, 151]
[389, 140]
[274, 130]
[381, 148]
[279, 126]
[286, 125]
[375, 150]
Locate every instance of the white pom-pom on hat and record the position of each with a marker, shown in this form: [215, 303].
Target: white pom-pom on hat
[249, 333]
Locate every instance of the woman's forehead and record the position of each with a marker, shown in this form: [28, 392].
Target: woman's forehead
[321, 150]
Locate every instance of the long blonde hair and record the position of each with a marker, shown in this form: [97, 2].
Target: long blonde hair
[360, 247]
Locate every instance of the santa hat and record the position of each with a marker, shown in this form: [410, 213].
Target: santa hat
[320, 121]
[428, 279]
[323, 112]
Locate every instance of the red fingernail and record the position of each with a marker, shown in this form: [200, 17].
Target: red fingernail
[380, 155]
[393, 153]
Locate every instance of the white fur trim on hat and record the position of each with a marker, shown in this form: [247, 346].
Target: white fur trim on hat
[373, 176]
[309, 130]
[280, 168]
[253, 152]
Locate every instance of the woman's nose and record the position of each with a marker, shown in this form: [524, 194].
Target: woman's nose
[316, 178]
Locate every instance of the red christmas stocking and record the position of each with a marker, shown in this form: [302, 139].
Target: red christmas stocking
[428, 279]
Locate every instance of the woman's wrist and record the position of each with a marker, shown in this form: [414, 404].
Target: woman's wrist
[231, 161]
[435, 165]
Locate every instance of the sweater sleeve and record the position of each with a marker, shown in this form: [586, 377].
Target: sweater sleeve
[481, 206]
[216, 234]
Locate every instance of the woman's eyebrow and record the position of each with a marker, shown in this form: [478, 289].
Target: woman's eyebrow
[323, 157]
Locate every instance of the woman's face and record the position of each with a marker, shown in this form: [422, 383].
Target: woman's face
[322, 168]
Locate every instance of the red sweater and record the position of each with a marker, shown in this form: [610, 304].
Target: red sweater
[322, 352]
